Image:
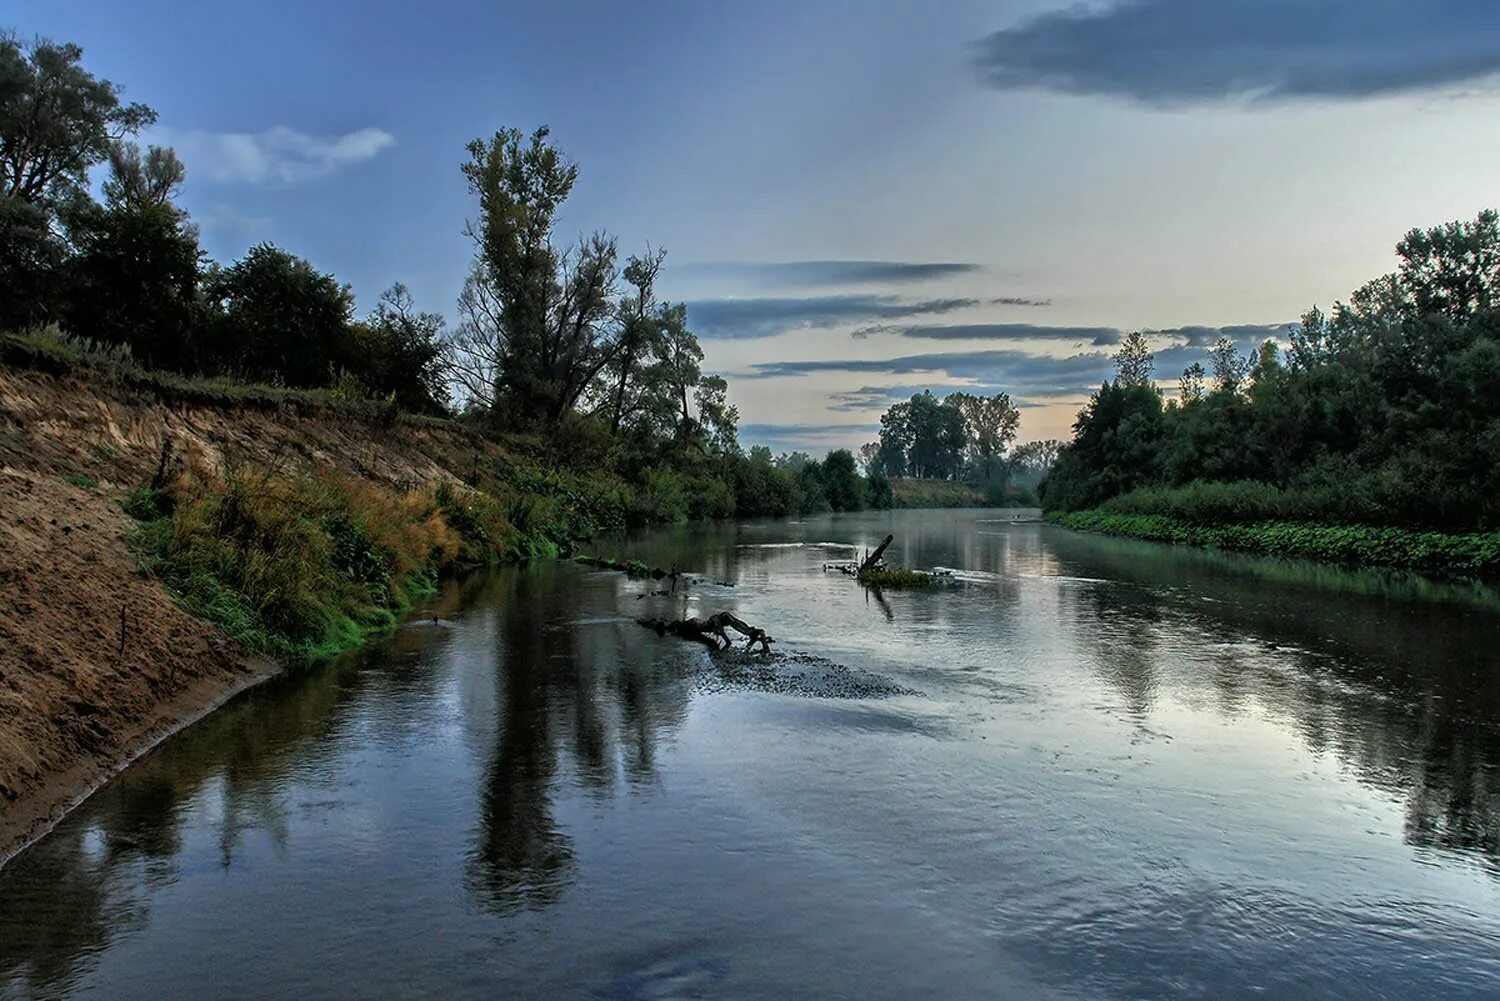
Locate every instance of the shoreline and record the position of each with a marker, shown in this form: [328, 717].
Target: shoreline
[1469, 557]
[36, 814]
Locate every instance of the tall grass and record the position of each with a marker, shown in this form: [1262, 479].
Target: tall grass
[307, 566]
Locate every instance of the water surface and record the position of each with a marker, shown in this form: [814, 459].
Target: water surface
[1089, 768]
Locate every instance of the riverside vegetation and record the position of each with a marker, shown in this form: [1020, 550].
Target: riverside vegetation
[1373, 439]
[583, 391]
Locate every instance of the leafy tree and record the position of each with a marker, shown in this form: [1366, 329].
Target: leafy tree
[1190, 386]
[399, 353]
[134, 277]
[842, 483]
[1134, 363]
[1230, 370]
[990, 424]
[276, 317]
[57, 120]
[542, 320]
[923, 437]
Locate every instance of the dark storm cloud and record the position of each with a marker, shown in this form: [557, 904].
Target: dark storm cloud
[810, 273]
[725, 319]
[1173, 52]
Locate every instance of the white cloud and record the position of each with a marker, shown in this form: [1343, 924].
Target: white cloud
[279, 155]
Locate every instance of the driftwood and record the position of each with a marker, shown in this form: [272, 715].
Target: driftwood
[872, 561]
[712, 630]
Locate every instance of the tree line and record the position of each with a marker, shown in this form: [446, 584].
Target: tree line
[1383, 411]
[566, 347]
[962, 437]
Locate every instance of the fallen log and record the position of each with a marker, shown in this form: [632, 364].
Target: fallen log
[712, 631]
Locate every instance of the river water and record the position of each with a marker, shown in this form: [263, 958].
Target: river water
[1087, 768]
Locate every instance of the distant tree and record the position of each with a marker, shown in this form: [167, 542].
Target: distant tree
[990, 424]
[717, 417]
[1230, 369]
[1190, 386]
[842, 483]
[869, 458]
[277, 317]
[399, 353]
[1134, 362]
[1033, 460]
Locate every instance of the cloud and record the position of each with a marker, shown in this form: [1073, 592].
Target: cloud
[278, 155]
[1175, 52]
[828, 273]
[808, 437]
[1095, 336]
[1016, 372]
[1204, 337]
[766, 317]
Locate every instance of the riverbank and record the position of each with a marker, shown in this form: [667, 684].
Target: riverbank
[160, 551]
[1471, 555]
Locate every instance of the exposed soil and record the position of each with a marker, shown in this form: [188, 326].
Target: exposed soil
[97, 663]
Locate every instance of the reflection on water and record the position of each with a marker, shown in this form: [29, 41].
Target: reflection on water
[1132, 771]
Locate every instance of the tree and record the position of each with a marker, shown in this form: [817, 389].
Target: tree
[935, 437]
[277, 317]
[56, 121]
[718, 419]
[1229, 368]
[841, 482]
[640, 336]
[134, 276]
[546, 320]
[990, 423]
[1190, 386]
[399, 353]
[1134, 363]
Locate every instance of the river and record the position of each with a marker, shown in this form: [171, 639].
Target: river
[1086, 768]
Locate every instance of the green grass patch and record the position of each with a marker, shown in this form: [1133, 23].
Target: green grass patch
[1474, 554]
[80, 480]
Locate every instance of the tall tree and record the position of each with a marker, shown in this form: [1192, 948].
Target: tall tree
[549, 316]
[1134, 362]
[134, 276]
[57, 120]
[277, 317]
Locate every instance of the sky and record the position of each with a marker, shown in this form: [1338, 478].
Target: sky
[859, 200]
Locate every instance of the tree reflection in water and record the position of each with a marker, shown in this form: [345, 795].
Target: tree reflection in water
[1403, 692]
[591, 690]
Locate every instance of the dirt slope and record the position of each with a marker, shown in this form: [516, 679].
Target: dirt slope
[76, 701]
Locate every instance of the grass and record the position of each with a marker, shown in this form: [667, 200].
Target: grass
[48, 350]
[80, 480]
[309, 566]
[1475, 554]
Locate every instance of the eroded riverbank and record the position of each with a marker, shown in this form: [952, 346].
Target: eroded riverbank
[1130, 771]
